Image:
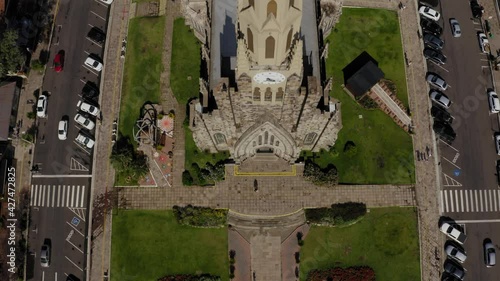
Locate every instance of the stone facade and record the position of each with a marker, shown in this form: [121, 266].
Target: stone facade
[269, 105]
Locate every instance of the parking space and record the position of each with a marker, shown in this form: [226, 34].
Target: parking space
[74, 230]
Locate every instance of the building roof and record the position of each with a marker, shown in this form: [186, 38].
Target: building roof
[362, 74]
[7, 93]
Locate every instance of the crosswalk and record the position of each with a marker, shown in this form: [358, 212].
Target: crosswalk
[58, 196]
[470, 201]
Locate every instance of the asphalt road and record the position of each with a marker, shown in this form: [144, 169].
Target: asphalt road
[470, 193]
[61, 188]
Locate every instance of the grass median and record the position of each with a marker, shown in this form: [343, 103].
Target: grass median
[147, 245]
[384, 151]
[386, 239]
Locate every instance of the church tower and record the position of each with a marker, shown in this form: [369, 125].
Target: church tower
[263, 92]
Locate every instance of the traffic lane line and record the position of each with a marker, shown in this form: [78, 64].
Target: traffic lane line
[450, 162]
[449, 145]
[74, 246]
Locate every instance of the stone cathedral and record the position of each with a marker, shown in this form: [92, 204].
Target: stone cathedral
[263, 88]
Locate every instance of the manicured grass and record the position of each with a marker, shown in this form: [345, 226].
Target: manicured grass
[185, 62]
[384, 150]
[147, 245]
[385, 240]
[143, 66]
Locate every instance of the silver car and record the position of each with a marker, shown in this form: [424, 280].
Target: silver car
[489, 253]
[440, 98]
[493, 102]
[455, 253]
[455, 28]
[436, 81]
[45, 256]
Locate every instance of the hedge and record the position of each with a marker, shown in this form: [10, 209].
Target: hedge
[360, 273]
[314, 173]
[338, 214]
[200, 216]
[189, 277]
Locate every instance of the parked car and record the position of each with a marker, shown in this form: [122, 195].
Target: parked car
[484, 44]
[453, 232]
[431, 26]
[87, 107]
[436, 81]
[84, 121]
[429, 13]
[97, 35]
[455, 253]
[90, 90]
[45, 255]
[435, 56]
[41, 106]
[489, 253]
[59, 61]
[107, 2]
[441, 115]
[440, 98]
[444, 131]
[498, 172]
[455, 28]
[497, 142]
[454, 270]
[62, 130]
[93, 63]
[477, 10]
[433, 41]
[494, 102]
[85, 140]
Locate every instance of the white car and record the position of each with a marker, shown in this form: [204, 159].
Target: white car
[494, 102]
[489, 254]
[429, 13]
[455, 253]
[85, 122]
[93, 63]
[483, 42]
[455, 28]
[85, 141]
[62, 130]
[453, 232]
[107, 2]
[440, 98]
[41, 106]
[86, 107]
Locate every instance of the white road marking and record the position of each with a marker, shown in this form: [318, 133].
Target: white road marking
[83, 196]
[53, 189]
[74, 228]
[466, 202]
[100, 46]
[74, 263]
[63, 196]
[98, 15]
[477, 221]
[89, 69]
[43, 196]
[43, 275]
[74, 246]
[481, 200]
[476, 200]
[450, 162]
[67, 197]
[446, 200]
[55, 277]
[58, 195]
[72, 196]
[462, 200]
[441, 206]
[456, 150]
[490, 202]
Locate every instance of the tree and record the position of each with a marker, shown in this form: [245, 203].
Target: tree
[187, 179]
[126, 160]
[11, 57]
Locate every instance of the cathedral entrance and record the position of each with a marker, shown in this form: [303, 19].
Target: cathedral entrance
[265, 150]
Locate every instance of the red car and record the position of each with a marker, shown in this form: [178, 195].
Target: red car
[59, 62]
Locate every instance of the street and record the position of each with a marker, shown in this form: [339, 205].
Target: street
[470, 194]
[62, 169]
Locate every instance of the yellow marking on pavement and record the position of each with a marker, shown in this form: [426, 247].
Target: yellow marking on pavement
[293, 172]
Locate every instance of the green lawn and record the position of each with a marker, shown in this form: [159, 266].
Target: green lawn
[186, 60]
[147, 245]
[385, 240]
[143, 66]
[384, 150]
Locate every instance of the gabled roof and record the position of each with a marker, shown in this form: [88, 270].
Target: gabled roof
[362, 74]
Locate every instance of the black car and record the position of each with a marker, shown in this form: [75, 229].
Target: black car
[90, 91]
[431, 27]
[97, 35]
[454, 270]
[433, 41]
[445, 131]
[477, 10]
[435, 56]
[498, 172]
[441, 115]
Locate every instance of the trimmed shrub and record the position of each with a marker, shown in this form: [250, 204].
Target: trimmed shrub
[189, 277]
[337, 215]
[360, 273]
[187, 179]
[200, 216]
[328, 176]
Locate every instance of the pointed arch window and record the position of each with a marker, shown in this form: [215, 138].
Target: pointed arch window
[250, 39]
[289, 39]
[279, 94]
[270, 43]
[272, 8]
[256, 94]
[268, 96]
